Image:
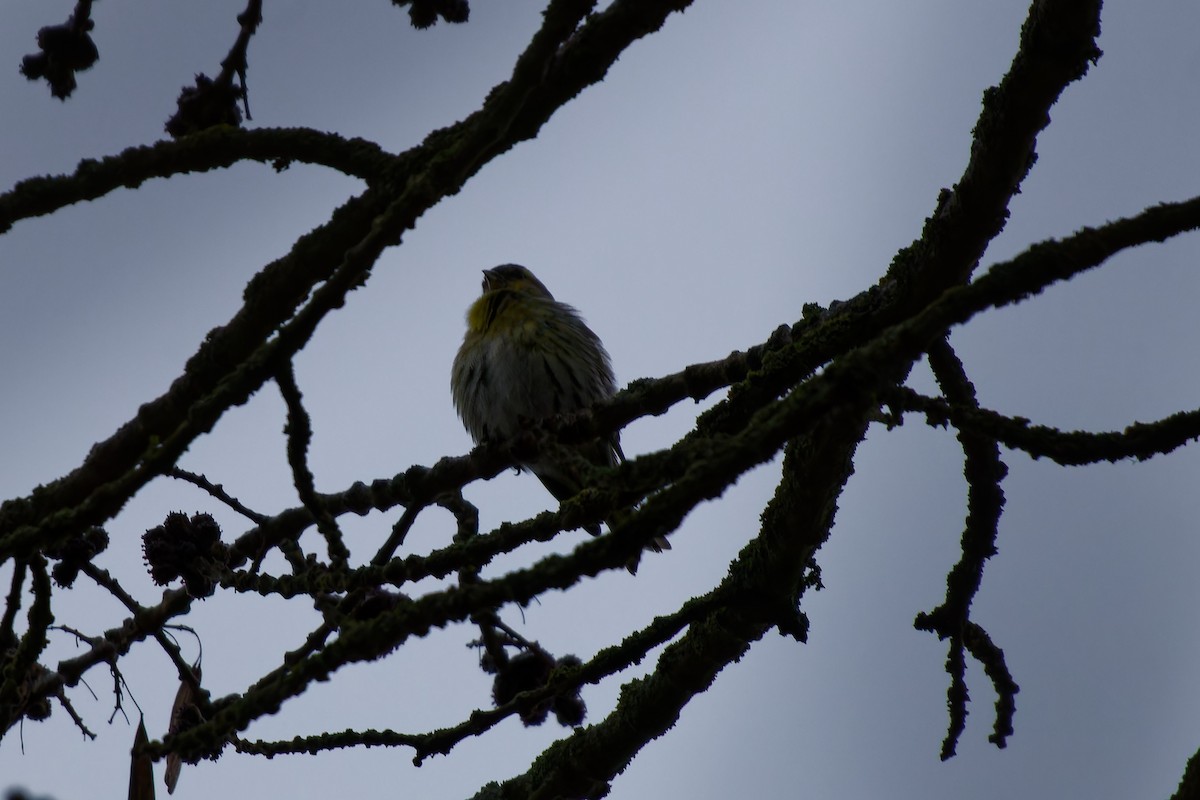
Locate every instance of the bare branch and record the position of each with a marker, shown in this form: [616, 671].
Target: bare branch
[1139, 440]
[985, 500]
[299, 436]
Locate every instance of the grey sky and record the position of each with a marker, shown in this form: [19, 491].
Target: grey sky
[750, 158]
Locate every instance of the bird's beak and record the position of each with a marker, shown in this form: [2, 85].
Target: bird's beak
[488, 277]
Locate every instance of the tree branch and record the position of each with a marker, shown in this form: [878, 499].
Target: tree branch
[1139, 440]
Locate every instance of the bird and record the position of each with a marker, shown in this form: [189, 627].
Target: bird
[526, 357]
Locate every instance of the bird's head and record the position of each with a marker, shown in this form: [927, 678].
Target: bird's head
[514, 278]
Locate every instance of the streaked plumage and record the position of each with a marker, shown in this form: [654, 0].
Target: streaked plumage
[526, 357]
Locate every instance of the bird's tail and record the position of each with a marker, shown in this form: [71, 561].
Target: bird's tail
[657, 544]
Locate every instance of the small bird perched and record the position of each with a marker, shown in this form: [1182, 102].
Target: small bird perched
[526, 357]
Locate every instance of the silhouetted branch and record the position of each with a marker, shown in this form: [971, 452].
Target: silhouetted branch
[984, 472]
[216, 491]
[12, 605]
[106, 581]
[299, 436]
[399, 532]
[1139, 440]
[980, 645]
[236, 62]
[1189, 784]
[1057, 46]
[18, 692]
[214, 101]
[112, 644]
[210, 150]
[608, 661]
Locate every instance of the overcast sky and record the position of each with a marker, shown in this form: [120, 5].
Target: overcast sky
[749, 158]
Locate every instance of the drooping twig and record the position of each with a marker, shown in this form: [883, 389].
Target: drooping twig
[980, 645]
[984, 472]
[104, 579]
[299, 436]
[21, 670]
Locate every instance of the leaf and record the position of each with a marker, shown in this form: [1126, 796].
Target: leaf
[183, 709]
[141, 768]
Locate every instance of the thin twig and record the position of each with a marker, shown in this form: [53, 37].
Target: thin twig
[217, 491]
